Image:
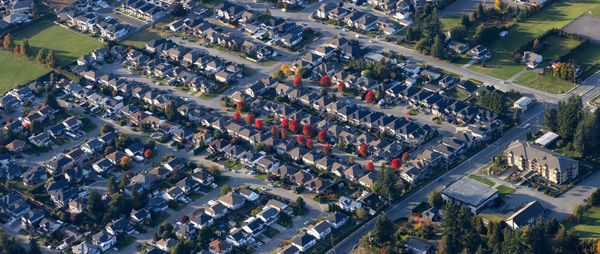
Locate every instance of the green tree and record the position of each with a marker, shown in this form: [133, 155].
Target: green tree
[465, 21]
[25, 48]
[361, 213]
[594, 199]
[551, 120]
[494, 101]
[446, 245]
[50, 59]
[569, 115]
[385, 184]
[578, 212]
[171, 112]
[279, 75]
[112, 186]
[95, 206]
[225, 189]
[35, 127]
[51, 101]
[437, 49]
[383, 229]
[340, 144]
[34, 248]
[106, 128]
[299, 206]
[41, 56]
[435, 199]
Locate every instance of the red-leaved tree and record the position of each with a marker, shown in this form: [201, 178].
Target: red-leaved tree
[294, 126]
[341, 87]
[405, 156]
[237, 116]
[308, 130]
[322, 137]
[274, 130]
[297, 82]
[250, 119]
[369, 97]
[301, 140]
[396, 163]
[148, 154]
[285, 122]
[283, 133]
[363, 150]
[325, 80]
[239, 106]
[370, 166]
[258, 124]
[309, 143]
[327, 149]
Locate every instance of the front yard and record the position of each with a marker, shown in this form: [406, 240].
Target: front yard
[589, 226]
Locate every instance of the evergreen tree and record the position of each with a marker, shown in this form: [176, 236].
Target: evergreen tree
[8, 42]
[171, 112]
[435, 199]
[95, 206]
[446, 245]
[51, 101]
[50, 59]
[34, 248]
[25, 48]
[465, 21]
[112, 185]
[383, 229]
[437, 49]
[569, 115]
[550, 120]
[41, 56]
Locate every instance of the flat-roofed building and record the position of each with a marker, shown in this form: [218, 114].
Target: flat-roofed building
[470, 192]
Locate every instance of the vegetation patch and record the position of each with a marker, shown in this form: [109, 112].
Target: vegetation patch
[482, 180]
[545, 82]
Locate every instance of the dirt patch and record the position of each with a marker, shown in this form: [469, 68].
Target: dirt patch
[586, 26]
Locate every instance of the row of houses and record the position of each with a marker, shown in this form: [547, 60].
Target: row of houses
[355, 19]
[15, 12]
[144, 10]
[105, 27]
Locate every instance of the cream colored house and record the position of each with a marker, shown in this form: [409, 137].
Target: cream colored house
[552, 166]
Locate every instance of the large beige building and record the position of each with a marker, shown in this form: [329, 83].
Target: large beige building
[554, 167]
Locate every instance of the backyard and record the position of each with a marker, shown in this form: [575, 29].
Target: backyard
[545, 82]
[159, 30]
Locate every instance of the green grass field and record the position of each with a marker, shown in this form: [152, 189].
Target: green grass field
[15, 70]
[556, 15]
[545, 82]
[449, 22]
[589, 226]
[504, 190]
[589, 58]
[555, 46]
[67, 45]
[483, 180]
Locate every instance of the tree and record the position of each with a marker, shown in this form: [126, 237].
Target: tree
[225, 189]
[301, 140]
[297, 82]
[325, 81]
[405, 156]
[33, 246]
[445, 246]
[300, 71]
[498, 5]
[383, 229]
[25, 48]
[258, 124]
[396, 163]
[465, 21]
[284, 123]
[322, 137]
[17, 50]
[250, 119]
[578, 212]
[494, 101]
[177, 9]
[294, 126]
[171, 112]
[308, 130]
[551, 120]
[569, 115]
[125, 162]
[309, 143]
[327, 150]
[340, 144]
[95, 206]
[41, 56]
[437, 49]
[385, 184]
[236, 116]
[435, 199]
[279, 75]
[148, 154]
[111, 186]
[298, 206]
[240, 106]
[369, 97]
[283, 133]
[361, 213]
[370, 166]
[8, 42]
[274, 130]
[106, 128]
[363, 150]
[51, 101]
[594, 199]
[485, 34]
[537, 46]
[50, 59]
[35, 127]
[146, 127]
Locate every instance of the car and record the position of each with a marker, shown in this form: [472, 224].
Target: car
[263, 188]
[370, 41]
[115, 249]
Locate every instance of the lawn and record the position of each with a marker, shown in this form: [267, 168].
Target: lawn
[140, 38]
[458, 95]
[504, 190]
[270, 232]
[545, 82]
[556, 45]
[557, 15]
[158, 219]
[450, 22]
[261, 177]
[483, 180]
[15, 70]
[124, 241]
[589, 226]
[67, 45]
[589, 58]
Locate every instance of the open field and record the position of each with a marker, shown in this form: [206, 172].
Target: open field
[545, 82]
[589, 226]
[556, 15]
[140, 38]
[67, 45]
[449, 22]
[15, 70]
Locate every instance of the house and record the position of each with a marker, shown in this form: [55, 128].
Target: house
[72, 124]
[85, 248]
[140, 215]
[16, 146]
[34, 176]
[216, 210]
[268, 215]
[348, 204]
[290, 249]
[93, 146]
[525, 216]
[135, 149]
[166, 244]
[201, 220]
[104, 240]
[175, 164]
[48, 226]
[56, 165]
[318, 184]
[232, 200]
[32, 217]
[186, 231]
[552, 166]
[238, 237]
[42, 139]
[119, 226]
[304, 242]
[418, 246]
[253, 226]
[480, 53]
[368, 179]
[188, 185]
[77, 205]
[157, 204]
[173, 193]
[103, 165]
[336, 219]
[320, 230]
[248, 194]
[531, 59]
[203, 177]
[220, 247]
